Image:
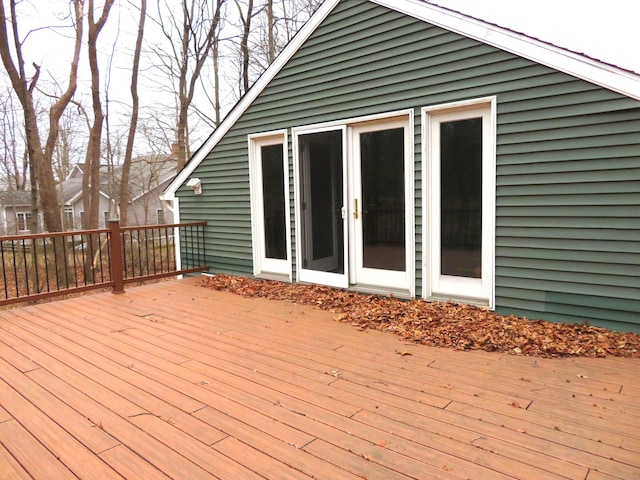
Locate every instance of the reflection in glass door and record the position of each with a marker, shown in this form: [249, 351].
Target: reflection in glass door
[461, 198]
[322, 200]
[382, 187]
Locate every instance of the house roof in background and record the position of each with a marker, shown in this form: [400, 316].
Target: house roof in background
[17, 198]
[581, 66]
[147, 173]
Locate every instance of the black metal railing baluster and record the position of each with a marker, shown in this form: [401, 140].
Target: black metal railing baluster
[76, 261]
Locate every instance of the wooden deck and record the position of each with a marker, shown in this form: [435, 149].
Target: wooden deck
[177, 381]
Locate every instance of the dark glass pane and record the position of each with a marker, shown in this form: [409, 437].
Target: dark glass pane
[273, 199]
[461, 198]
[323, 231]
[383, 208]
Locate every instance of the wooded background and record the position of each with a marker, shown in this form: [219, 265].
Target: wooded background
[101, 82]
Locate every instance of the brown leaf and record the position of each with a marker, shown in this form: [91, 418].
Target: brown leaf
[442, 324]
[403, 353]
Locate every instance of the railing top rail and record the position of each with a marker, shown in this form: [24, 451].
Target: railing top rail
[164, 225]
[67, 233]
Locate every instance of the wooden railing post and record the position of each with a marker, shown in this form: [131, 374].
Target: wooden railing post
[115, 245]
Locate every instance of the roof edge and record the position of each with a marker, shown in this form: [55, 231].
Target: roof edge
[578, 65]
[594, 71]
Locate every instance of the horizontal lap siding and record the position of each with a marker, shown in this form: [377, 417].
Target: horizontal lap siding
[568, 207]
[567, 158]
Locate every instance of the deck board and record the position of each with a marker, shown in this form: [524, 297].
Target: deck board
[173, 380]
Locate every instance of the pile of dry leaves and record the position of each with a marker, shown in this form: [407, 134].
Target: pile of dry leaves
[442, 324]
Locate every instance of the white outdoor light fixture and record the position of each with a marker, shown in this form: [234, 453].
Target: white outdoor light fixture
[196, 185]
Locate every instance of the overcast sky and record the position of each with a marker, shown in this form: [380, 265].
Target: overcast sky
[607, 30]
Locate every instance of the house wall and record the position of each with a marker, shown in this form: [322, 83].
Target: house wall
[78, 209]
[568, 158]
[144, 209]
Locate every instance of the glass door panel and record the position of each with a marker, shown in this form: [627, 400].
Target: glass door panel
[273, 202]
[461, 198]
[383, 209]
[321, 203]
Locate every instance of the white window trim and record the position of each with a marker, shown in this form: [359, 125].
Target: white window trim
[27, 222]
[268, 267]
[434, 286]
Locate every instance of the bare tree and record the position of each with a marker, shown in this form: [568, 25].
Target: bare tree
[245, 19]
[71, 145]
[265, 28]
[190, 34]
[91, 178]
[128, 154]
[13, 161]
[41, 170]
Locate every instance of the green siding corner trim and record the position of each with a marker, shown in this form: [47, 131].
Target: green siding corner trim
[568, 157]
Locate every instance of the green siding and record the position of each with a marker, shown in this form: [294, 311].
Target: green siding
[568, 158]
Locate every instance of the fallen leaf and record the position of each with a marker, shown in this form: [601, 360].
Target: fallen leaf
[441, 324]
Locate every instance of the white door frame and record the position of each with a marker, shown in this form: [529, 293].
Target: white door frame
[263, 266]
[476, 290]
[306, 274]
[358, 274]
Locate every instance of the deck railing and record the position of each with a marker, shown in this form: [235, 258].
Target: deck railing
[44, 265]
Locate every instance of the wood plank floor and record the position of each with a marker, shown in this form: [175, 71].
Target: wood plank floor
[175, 381]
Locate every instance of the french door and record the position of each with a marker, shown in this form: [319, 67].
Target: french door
[460, 199]
[379, 199]
[352, 204]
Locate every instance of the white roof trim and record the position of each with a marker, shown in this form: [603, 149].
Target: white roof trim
[79, 195]
[585, 68]
[599, 73]
[303, 34]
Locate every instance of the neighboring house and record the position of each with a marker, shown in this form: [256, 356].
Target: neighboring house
[398, 147]
[71, 199]
[148, 177]
[15, 212]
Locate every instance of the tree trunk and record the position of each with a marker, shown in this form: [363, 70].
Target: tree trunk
[128, 154]
[271, 52]
[244, 47]
[40, 160]
[91, 178]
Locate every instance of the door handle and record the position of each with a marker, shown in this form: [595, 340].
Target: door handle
[355, 208]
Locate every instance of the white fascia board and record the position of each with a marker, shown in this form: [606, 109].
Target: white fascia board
[257, 88]
[146, 192]
[599, 73]
[74, 199]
